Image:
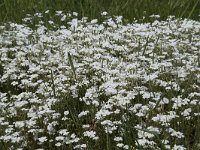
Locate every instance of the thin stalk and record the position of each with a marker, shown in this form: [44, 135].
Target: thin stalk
[53, 85]
[145, 46]
[193, 8]
[108, 141]
[72, 65]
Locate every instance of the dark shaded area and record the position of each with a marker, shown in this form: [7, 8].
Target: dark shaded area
[15, 10]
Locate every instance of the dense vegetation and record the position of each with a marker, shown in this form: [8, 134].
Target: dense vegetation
[15, 10]
[99, 74]
[100, 86]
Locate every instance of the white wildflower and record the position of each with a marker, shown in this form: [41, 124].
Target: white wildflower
[42, 139]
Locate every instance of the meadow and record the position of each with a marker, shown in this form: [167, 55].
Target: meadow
[97, 79]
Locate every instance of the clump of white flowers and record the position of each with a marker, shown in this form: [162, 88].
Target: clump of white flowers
[93, 85]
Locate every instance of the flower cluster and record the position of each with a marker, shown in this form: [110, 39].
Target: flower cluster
[87, 85]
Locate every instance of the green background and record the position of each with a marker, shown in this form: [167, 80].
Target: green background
[15, 10]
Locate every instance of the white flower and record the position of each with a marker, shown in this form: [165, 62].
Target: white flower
[104, 13]
[63, 18]
[58, 12]
[126, 147]
[119, 19]
[66, 113]
[186, 112]
[120, 145]
[146, 95]
[51, 22]
[59, 138]
[42, 139]
[90, 134]
[19, 124]
[63, 132]
[75, 13]
[178, 147]
[58, 144]
[74, 24]
[83, 113]
[175, 133]
[94, 21]
[118, 139]
[86, 126]
[46, 12]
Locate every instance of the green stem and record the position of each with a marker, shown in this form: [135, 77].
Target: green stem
[53, 85]
[72, 65]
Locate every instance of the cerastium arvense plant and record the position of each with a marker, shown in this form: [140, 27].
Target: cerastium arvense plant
[90, 85]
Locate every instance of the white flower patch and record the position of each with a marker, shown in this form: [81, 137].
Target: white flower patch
[121, 145]
[104, 13]
[42, 139]
[63, 132]
[84, 78]
[58, 144]
[63, 18]
[91, 134]
[110, 126]
[186, 113]
[175, 133]
[19, 124]
[179, 102]
[102, 114]
[82, 146]
[91, 96]
[178, 147]
[164, 119]
[117, 139]
[83, 113]
[145, 142]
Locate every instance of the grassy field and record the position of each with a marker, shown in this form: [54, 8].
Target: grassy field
[104, 86]
[15, 10]
[105, 82]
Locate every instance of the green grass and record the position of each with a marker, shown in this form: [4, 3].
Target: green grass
[15, 10]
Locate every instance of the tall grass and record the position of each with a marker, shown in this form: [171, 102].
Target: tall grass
[15, 10]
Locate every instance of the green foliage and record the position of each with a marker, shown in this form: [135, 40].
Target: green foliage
[15, 10]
